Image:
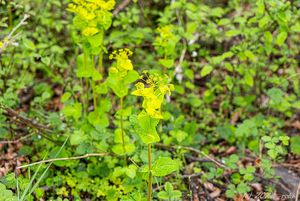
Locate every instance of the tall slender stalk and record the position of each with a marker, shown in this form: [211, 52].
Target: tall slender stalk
[122, 130]
[100, 61]
[150, 173]
[86, 105]
[83, 99]
[87, 95]
[94, 95]
[93, 84]
[122, 126]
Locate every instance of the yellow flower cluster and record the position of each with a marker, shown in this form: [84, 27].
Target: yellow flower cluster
[153, 91]
[123, 63]
[166, 34]
[92, 13]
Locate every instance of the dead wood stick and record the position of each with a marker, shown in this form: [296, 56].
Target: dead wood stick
[121, 7]
[63, 159]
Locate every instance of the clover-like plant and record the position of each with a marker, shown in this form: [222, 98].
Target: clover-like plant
[153, 88]
[120, 75]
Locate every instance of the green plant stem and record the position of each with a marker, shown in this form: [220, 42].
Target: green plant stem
[122, 125]
[10, 18]
[100, 62]
[93, 84]
[86, 105]
[83, 100]
[87, 95]
[94, 95]
[122, 130]
[150, 173]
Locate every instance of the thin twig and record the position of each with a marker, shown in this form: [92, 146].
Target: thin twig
[64, 159]
[218, 163]
[11, 38]
[192, 175]
[30, 122]
[17, 140]
[297, 192]
[121, 7]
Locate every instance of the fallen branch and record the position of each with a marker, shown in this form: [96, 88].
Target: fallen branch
[14, 115]
[297, 193]
[63, 159]
[17, 140]
[218, 163]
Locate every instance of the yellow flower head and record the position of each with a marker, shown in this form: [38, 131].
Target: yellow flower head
[166, 33]
[90, 31]
[93, 11]
[122, 58]
[153, 90]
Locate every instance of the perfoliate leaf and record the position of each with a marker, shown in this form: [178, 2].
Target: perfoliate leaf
[131, 76]
[147, 126]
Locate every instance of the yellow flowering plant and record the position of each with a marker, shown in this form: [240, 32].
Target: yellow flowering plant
[120, 75]
[165, 44]
[92, 18]
[153, 89]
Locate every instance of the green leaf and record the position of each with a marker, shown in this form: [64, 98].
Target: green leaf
[243, 188]
[74, 110]
[167, 63]
[96, 40]
[272, 153]
[284, 140]
[232, 33]
[276, 95]
[249, 55]
[46, 60]
[77, 137]
[118, 86]
[249, 79]
[29, 44]
[230, 193]
[281, 38]
[147, 128]
[268, 37]
[101, 88]
[118, 149]
[131, 171]
[266, 138]
[131, 76]
[164, 166]
[295, 144]
[85, 66]
[169, 193]
[206, 70]
[65, 97]
[96, 75]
